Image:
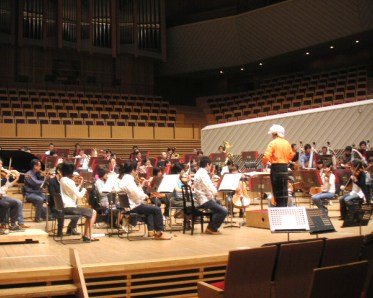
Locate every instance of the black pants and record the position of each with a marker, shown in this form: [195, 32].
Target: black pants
[279, 181]
[12, 207]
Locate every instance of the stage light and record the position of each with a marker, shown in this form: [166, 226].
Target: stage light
[357, 41]
[260, 63]
[332, 47]
[221, 71]
[307, 53]
[242, 68]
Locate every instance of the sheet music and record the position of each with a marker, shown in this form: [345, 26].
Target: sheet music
[230, 182]
[168, 183]
[253, 174]
[110, 182]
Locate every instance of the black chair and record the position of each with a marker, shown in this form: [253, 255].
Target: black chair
[191, 212]
[59, 214]
[132, 219]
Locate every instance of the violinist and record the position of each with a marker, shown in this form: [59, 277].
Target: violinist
[76, 151]
[33, 191]
[85, 160]
[157, 198]
[70, 193]
[9, 204]
[205, 192]
[54, 189]
[328, 187]
[357, 194]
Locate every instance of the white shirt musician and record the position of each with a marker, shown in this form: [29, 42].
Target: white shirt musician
[328, 187]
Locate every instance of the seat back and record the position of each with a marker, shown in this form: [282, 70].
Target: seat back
[294, 267]
[188, 201]
[249, 272]
[339, 281]
[123, 200]
[367, 250]
[342, 251]
[58, 203]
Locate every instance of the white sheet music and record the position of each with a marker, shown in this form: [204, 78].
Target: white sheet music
[110, 182]
[168, 183]
[230, 182]
[253, 174]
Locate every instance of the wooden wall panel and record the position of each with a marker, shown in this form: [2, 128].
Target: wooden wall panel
[7, 130]
[77, 131]
[183, 133]
[53, 131]
[197, 133]
[29, 130]
[122, 132]
[165, 133]
[99, 132]
[146, 133]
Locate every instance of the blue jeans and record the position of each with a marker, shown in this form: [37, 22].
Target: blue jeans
[20, 210]
[322, 196]
[218, 214]
[37, 200]
[154, 217]
[346, 201]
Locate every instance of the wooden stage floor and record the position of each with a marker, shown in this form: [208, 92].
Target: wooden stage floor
[114, 249]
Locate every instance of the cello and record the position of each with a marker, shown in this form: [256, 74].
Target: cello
[241, 198]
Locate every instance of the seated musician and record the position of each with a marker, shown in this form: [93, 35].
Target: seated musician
[226, 168]
[294, 161]
[113, 168]
[85, 160]
[163, 161]
[205, 192]
[54, 188]
[76, 150]
[70, 193]
[51, 150]
[177, 196]
[33, 191]
[137, 198]
[103, 174]
[328, 187]
[320, 166]
[146, 164]
[345, 160]
[358, 188]
[5, 185]
[157, 198]
[305, 158]
[135, 150]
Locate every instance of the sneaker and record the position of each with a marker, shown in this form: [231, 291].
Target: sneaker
[23, 226]
[211, 232]
[15, 229]
[162, 236]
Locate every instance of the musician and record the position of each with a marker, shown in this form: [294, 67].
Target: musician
[177, 195]
[226, 168]
[70, 193]
[137, 198]
[32, 189]
[138, 159]
[305, 158]
[347, 157]
[278, 154]
[9, 205]
[295, 159]
[76, 150]
[5, 185]
[54, 189]
[357, 194]
[135, 150]
[146, 164]
[324, 150]
[205, 192]
[85, 160]
[363, 147]
[157, 198]
[113, 169]
[163, 161]
[103, 174]
[328, 187]
[51, 151]
[221, 149]
[368, 185]
[233, 169]
[320, 166]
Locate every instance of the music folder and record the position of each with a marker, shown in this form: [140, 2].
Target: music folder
[168, 183]
[229, 182]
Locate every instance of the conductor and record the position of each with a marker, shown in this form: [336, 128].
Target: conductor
[278, 154]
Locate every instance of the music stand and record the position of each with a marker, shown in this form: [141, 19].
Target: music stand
[249, 155]
[63, 153]
[357, 216]
[288, 220]
[261, 183]
[319, 222]
[325, 158]
[229, 183]
[308, 178]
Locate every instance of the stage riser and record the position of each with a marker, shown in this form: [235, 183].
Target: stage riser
[257, 219]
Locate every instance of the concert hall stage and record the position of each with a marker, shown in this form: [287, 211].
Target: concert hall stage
[184, 253]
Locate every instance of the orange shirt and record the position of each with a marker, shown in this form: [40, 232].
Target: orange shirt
[278, 151]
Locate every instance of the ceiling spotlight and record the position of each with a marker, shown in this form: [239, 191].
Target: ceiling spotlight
[307, 53]
[260, 63]
[332, 47]
[357, 41]
[242, 68]
[221, 71]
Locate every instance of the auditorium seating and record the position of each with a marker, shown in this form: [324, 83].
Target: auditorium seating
[45, 106]
[289, 93]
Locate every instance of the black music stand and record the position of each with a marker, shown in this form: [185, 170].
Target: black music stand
[357, 216]
[319, 222]
[229, 183]
[260, 182]
[288, 220]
